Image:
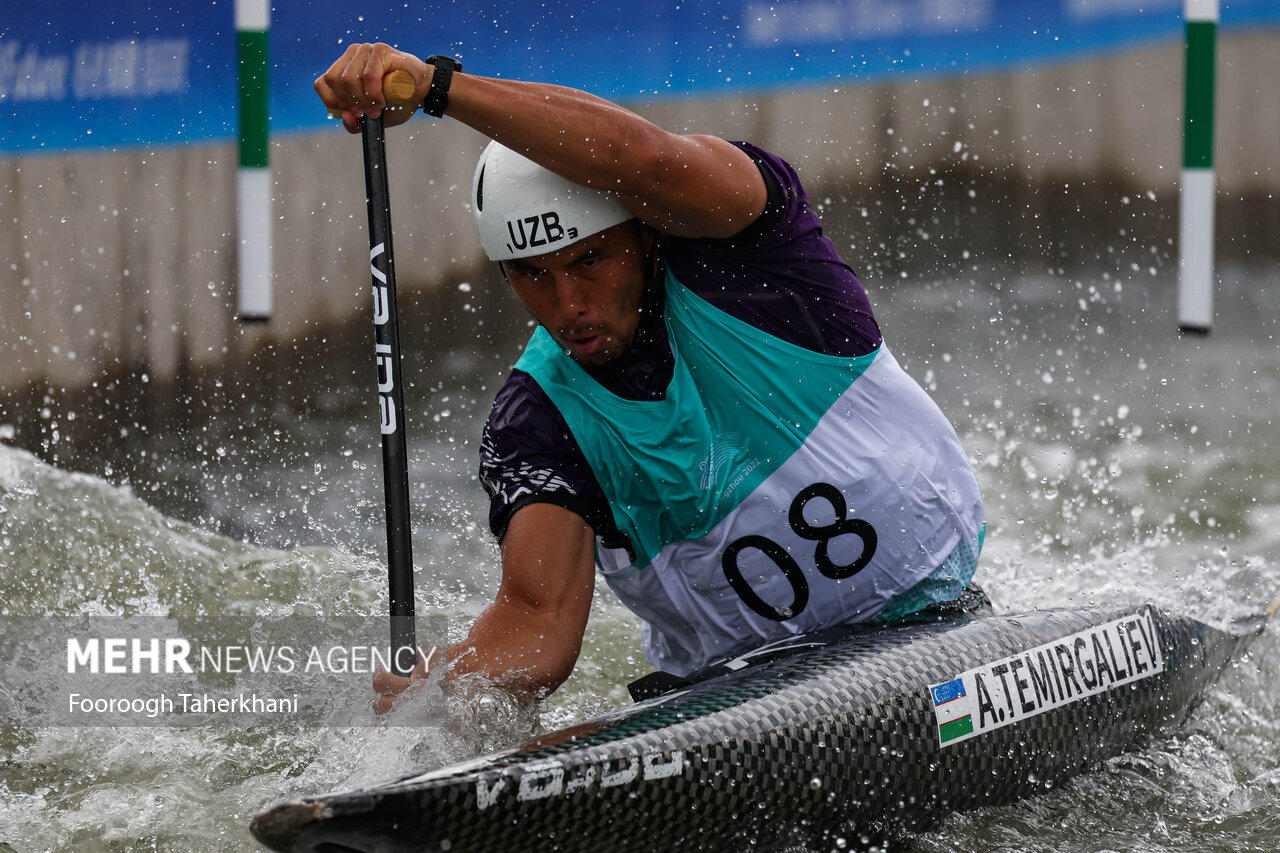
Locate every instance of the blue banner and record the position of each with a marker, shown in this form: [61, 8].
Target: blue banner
[79, 74]
[88, 74]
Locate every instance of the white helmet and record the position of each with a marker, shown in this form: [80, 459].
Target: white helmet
[522, 209]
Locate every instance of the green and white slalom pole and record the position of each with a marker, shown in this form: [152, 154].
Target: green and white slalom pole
[253, 221]
[1199, 183]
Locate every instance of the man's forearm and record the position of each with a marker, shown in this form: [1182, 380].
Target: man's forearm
[585, 139]
[526, 654]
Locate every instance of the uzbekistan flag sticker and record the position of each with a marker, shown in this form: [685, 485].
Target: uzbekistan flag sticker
[951, 710]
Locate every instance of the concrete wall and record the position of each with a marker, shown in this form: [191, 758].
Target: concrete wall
[111, 263]
[1117, 116]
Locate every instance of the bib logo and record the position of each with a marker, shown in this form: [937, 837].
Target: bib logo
[726, 447]
[726, 461]
[538, 230]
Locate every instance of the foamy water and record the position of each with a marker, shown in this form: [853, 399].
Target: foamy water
[1119, 462]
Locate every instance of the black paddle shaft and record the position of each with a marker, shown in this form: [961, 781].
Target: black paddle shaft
[395, 457]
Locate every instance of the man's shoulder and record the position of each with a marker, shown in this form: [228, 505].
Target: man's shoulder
[781, 274]
[518, 384]
[528, 454]
[786, 208]
[522, 405]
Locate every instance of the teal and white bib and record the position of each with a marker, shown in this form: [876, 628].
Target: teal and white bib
[774, 489]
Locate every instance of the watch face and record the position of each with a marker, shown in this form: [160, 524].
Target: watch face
[438, 59]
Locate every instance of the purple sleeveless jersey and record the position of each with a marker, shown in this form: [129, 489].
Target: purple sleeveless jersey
[781, 275]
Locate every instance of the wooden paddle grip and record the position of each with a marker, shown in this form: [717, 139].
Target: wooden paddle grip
[397, 90]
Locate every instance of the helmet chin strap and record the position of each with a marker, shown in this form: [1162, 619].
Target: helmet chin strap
[654, 266]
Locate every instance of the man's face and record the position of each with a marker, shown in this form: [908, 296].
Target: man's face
[587, 295]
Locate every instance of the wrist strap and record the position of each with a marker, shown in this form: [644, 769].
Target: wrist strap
[437, 100]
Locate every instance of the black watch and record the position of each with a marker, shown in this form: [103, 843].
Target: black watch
[437, 99]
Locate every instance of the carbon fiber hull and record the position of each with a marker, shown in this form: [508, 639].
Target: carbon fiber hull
[845, 734]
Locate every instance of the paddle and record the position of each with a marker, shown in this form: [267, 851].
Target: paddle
[386, 325]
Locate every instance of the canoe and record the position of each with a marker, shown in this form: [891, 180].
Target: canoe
[821, 740]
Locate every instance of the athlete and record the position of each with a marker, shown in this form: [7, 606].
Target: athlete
[706, 414]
